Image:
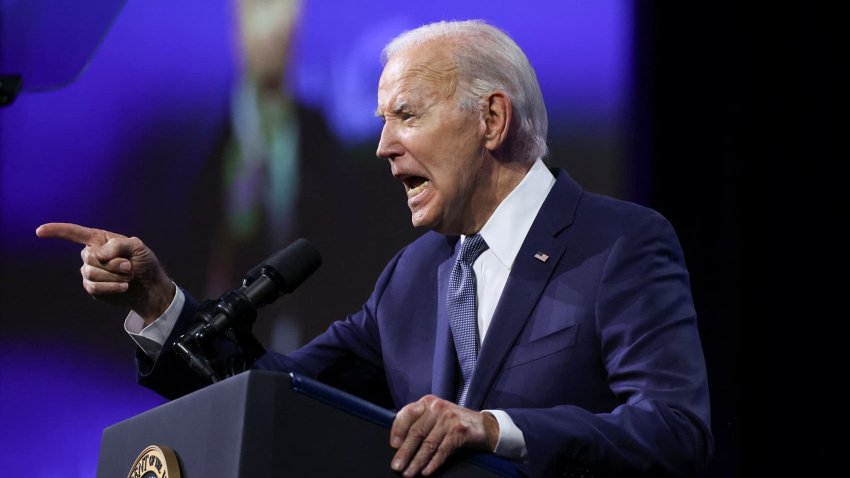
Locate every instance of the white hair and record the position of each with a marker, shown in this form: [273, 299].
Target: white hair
[487, 60]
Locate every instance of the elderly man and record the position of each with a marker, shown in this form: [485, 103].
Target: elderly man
[564, 315]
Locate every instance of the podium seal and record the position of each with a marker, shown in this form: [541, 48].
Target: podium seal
[155, 462]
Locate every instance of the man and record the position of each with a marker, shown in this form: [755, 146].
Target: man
[266, 185]
[565, 315]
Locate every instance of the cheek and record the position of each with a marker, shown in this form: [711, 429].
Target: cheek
[447, 153]
[412, 140]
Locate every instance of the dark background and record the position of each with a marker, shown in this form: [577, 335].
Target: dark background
[742, 110]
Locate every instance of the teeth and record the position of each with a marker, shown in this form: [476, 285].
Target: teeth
[418, 189]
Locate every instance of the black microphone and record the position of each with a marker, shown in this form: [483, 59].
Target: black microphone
[282, 273]
[236, 310]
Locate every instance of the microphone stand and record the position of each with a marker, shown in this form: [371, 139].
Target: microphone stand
[233, 315]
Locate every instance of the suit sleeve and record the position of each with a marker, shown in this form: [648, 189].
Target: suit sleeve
[650, 346]
[348, 355]
[168, 375]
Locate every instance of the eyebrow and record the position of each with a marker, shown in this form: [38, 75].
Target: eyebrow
[398, 108]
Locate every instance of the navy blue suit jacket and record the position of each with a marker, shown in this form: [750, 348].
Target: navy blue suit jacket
[594, 353]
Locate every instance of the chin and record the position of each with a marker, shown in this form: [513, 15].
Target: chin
[421, 220]
[420, 224]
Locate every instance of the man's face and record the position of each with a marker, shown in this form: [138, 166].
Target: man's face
[434, 147]
[265, 32]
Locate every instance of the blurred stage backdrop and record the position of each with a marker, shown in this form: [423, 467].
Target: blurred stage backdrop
[219, 131]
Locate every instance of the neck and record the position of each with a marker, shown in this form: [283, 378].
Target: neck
[502, 178]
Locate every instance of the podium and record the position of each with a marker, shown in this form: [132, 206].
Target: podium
[261, 424]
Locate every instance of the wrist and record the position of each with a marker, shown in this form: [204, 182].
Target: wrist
[491, 431]
[158, 300]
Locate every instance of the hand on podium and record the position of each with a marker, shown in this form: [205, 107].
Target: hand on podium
[118, 269]
[428, 431]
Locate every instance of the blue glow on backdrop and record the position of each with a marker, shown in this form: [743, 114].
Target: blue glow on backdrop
[580, 51]
[142, 120]
[53, 413]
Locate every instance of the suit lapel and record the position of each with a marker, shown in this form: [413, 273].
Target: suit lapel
[529, 276]
[444, 378]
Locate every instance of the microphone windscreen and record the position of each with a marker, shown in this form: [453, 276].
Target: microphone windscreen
[294, 264]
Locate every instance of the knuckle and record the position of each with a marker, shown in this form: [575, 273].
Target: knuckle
[429, 445]
[415, 409]
[89, 272]
[90, 287]
[417, 434]
[460, 428]
[434, 403]
[403, 416]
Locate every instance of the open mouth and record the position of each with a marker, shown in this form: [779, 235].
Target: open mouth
[415, 185]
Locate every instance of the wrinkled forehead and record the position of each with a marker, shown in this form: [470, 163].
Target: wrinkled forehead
[421, 67]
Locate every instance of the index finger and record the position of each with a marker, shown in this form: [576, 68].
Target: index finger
[403, 421]
[74, 233]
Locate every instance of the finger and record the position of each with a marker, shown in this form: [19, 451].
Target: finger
[119, 247]
[450, 433]
[98, 274]
[97, 289]
[69, 232]
[426, 454]
[403, 420]
[415, 436]
[75, 233]
[407, 450]
[448, 445]
[118, 265]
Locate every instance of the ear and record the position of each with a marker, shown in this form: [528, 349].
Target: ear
[497, 119]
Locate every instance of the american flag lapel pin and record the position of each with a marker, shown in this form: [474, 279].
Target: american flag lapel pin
[541, 257]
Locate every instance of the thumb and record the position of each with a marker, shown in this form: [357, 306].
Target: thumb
[119, 247]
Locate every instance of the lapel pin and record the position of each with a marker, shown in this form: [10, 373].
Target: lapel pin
[541, 257]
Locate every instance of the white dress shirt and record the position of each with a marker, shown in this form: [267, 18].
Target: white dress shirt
[504, 233]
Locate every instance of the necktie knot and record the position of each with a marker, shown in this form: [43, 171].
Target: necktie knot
[471, 248]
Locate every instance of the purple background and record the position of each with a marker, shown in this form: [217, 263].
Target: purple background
[141, 120]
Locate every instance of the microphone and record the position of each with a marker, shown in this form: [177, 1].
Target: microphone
[282, 273]
[235, 312]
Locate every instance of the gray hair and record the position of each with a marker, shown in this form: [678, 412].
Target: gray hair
[487, 60]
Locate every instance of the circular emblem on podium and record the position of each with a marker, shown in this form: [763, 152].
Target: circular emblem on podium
[155, 462]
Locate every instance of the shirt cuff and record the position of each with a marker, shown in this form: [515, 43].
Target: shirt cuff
[151, 338]
[511, 442]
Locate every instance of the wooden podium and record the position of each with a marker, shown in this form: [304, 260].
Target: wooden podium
[264, 424]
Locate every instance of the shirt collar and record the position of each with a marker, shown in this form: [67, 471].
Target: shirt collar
[507, 227]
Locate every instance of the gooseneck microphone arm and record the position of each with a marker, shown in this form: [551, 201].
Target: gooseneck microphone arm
[233, 315]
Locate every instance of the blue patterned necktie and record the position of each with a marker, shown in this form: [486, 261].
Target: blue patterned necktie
[462, 307]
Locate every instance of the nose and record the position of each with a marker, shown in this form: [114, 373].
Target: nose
[388, 146]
